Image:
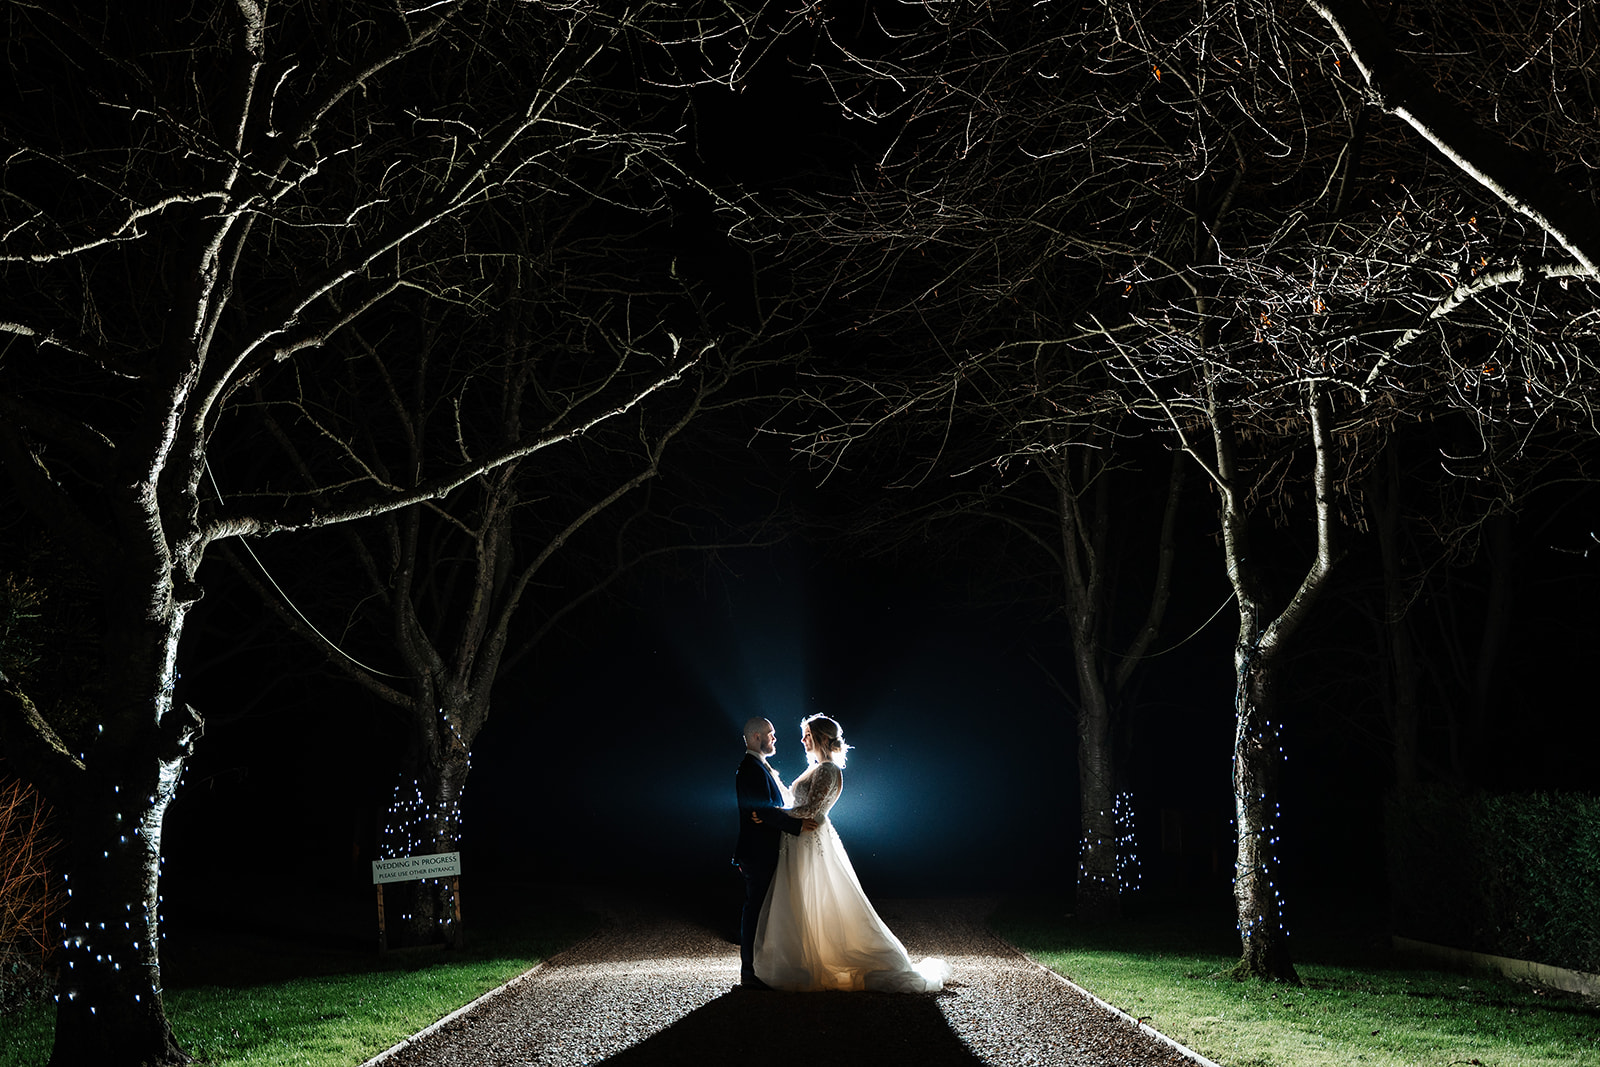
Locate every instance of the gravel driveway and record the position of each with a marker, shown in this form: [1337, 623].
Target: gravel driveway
[653, 989]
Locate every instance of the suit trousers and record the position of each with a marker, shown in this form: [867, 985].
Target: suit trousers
[757, 879]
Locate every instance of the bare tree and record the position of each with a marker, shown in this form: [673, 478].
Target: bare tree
[197, 200]
[1340, 265]
[453, 593]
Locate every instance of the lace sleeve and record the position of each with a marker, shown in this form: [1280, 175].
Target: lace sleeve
[826, 782]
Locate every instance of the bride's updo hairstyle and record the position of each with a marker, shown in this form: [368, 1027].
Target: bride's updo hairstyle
[827, 740]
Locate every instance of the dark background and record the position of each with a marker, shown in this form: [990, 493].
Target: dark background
[609, 758]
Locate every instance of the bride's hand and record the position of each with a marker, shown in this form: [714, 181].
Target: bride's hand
[755, 818]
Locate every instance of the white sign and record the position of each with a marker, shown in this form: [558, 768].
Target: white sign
[411, 868]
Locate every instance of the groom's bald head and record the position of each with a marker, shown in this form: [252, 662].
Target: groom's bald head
[758, 736]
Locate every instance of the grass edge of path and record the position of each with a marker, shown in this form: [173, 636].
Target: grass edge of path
[1358, 1003]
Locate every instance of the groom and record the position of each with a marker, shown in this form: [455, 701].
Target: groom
[761, 819]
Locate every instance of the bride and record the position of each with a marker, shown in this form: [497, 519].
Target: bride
[817, 929]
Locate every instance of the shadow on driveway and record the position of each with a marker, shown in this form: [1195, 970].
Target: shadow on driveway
[773, 1029]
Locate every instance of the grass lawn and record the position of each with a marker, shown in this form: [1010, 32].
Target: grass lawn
[1358, 1004]
[236, 999]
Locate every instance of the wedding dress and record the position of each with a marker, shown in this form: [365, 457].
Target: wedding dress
[817, 928]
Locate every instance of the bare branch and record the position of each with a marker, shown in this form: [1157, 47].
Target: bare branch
[1521, 179]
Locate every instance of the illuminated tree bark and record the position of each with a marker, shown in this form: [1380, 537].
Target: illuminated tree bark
[1258, 660]
[113, 799]
[1530, 155]
[1523, 181]
[110, 991]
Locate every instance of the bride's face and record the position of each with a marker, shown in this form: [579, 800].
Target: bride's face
[805, 739]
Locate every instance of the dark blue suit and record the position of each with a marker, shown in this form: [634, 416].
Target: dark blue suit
[756, 853]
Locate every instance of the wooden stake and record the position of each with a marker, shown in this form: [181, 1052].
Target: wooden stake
[459, 937]
[383, 933]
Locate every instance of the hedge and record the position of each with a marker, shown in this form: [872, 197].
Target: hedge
[1513, 875]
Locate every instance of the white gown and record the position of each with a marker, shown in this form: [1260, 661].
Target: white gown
[817, 929]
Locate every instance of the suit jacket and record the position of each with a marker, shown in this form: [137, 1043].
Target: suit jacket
[758, 793]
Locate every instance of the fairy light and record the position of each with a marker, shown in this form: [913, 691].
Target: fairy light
[1268, 837]
[97, 943]
[416, 824]
[1084, 874]
[1126, 873]
[1130, 877]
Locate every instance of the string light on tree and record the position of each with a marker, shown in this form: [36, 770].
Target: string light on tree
[1129, 875]
[414, 824]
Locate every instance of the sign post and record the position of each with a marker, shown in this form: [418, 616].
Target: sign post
[415, 869]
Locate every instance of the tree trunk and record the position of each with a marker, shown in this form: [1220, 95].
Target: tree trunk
[1099, 897]
[1258, 877]
[110, 1012]
[1257, 659]
[1084, 526]
[1083, 566]
[424, 818]
[447, 838]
